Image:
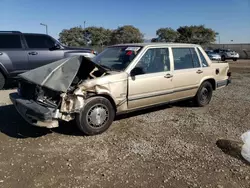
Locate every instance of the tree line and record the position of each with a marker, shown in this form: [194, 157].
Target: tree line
[99, 36]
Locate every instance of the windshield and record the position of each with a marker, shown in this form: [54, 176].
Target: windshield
[212, 53]
[117, 58]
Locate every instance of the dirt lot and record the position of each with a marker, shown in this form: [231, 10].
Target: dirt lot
[172, 146]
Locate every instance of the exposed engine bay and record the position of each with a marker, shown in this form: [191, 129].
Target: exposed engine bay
[64, 102]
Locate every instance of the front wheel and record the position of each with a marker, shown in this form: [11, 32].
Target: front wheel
[204, 94]
[96, 116]
[235, 59]
[223, 58]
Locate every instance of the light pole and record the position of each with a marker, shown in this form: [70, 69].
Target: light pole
[45, 26]
[218, 34]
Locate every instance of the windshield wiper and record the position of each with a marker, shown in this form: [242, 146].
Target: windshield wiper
[106, 67]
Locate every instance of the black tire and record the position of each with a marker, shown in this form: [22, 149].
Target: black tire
[83, 119]
[204, 94]
[234, 59]
[223, 58]
[2, 81]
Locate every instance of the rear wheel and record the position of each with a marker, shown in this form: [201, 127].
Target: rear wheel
[235, 59]
[204, 94]
[2, 81]
[96, 116]
[223, 58]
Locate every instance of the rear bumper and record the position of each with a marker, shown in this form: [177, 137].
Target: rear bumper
[232, 57]
[34, 113]
[223, 83]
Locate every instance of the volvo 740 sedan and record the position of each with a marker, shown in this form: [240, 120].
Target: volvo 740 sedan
[121, 79]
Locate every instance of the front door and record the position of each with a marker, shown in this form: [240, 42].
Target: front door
[39, 52]
[150, 82]
[187, 73]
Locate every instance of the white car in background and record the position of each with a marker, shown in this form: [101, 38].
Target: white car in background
[227, 54]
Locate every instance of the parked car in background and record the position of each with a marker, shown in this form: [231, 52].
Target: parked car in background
[213, 56]
[227, 54]
[20, 52]
[93, 92]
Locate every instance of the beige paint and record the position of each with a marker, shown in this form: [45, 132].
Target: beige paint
[130, 93]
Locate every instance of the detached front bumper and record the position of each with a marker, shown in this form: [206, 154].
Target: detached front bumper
[34, 113]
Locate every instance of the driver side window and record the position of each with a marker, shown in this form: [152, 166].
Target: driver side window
[153, 61]
[39, 41]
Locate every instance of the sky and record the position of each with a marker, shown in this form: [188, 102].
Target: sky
[230, 18]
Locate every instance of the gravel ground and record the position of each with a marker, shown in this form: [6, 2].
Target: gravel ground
[172, 146]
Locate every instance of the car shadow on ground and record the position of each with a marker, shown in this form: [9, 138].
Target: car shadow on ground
[13, 125]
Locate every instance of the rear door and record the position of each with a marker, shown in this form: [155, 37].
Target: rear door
[39, 52]
[187, 72]
[13, 56]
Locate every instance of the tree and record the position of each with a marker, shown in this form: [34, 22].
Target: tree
[99, 35]
[167, 34]
[72, 36]
[154, 40]
[126, 34]
[76, 36]
[196, 34]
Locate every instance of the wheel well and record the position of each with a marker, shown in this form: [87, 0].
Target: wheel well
[1, 71]
[107, 97]
[212, 81]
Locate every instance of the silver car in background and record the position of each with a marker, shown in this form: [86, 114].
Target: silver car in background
[213, 56]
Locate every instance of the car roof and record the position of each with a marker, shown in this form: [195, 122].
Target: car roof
[157, 44]
[34, 34]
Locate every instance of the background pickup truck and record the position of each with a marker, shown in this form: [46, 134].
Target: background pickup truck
[20, 52]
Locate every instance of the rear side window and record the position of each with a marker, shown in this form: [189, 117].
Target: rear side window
[10, 41]
[39, 41]
[195, 57]
[203, 60]
[185, 58]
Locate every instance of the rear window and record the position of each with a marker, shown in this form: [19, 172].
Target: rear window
[10, 41]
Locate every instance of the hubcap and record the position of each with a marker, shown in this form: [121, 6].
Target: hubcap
[97, 116]
[204, 95]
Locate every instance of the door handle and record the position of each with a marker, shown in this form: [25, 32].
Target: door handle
[168, 76]
[32, 53]
[199, 71]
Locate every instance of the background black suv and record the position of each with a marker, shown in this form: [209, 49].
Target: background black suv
[20, 52]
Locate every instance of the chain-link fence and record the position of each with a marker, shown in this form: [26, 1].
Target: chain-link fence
[242, 49]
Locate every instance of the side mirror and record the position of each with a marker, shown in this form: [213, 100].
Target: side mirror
[55, 47]
[136, 71]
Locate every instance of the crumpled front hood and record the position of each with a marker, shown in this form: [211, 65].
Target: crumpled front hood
[60, 74]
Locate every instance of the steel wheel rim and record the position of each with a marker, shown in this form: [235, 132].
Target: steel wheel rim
[97, 116]
[204, 95]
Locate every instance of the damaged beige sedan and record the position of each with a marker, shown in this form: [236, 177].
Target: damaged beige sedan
[121, 79]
